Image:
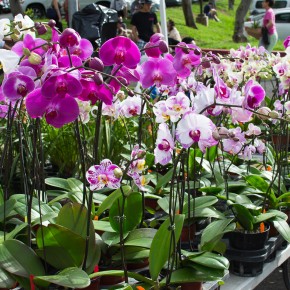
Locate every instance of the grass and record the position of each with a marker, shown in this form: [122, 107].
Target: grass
[216, 34]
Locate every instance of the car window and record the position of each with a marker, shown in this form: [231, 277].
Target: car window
[283, 18]
[277, 4]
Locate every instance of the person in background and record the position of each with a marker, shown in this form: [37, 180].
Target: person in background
[143, 23]
[55, 4]
[173, 34]
[122, 28]
[210, 12]
[120, 6]
[135, 7]
[188, 40]
[269, 23]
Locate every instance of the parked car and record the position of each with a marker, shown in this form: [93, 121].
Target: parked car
[257, 6]
[4, 6]
[282, 22]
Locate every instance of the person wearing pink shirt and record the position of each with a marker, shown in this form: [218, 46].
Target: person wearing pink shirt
[269, 23]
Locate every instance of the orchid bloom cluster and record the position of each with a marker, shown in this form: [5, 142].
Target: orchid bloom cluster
[59, 81]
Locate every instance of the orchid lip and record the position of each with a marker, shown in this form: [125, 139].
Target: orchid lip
[194, 135]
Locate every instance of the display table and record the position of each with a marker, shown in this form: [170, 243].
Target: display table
[247, 283]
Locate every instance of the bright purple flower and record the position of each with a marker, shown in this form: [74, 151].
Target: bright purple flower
[29, 43]
[93, 92]
[248, 152]
[140, 181]
[61, 83]
[106, 174]
[164, 145]
[83, 50]
[69, 38]
[17, 86]
[155, 47]
[120, 50]
[235, 143]
[253, 130]
[221, 89]
[286, 42]
[158, 71]
[254, 95]
[260, 146]
[195, 128]
[186, 59]
[65, 61]
[57, 111]
[3, 111]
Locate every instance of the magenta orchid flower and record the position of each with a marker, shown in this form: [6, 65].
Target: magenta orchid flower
[157, 71]
[69, 38]
[120, 50]
[195, 128]
[186, 59]
[106, 174]
[164, 145]
[57, 111]
[254, 95]
[17, 86]
[83, 50]
[177, 106]
[61, 83]
[156, 45]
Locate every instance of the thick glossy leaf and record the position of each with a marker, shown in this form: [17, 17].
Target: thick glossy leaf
[263, 217]
[107, 203]
[70, 277]
[211, 189]
[283, 228]
[13, 233]
[18, 259]
[132, 212]
[214, 232]
[207, 212]
[163, 180]
[6, 281]
[103, 226]
[132, 253]
[112, 238]
[63, 248]
[258, 182]
[6, 208]
[244, 217]
[200, 202]
[141, 237]
[204, 163]
[21, 207]
[57, 182]
[160, 250]
[211, 260]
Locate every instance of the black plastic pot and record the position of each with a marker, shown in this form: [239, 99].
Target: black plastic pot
[248, 241]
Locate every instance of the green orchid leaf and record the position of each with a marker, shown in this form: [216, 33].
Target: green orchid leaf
[161, 247]
[132, 212]
[76, 185]
[244, 216]
[204, 163]
[206, 212]
[263, 217]
[211, 260]
[283, 228]
[199, 202]
[63, 195]
[70, 277]
[112, 238]
[211, 189]
[141, 237]
[163, 180]
[6, 208]
[107, 203]
[14, 232]
[6, 280]
[57, 182]
[104, 226]
[211, 153]
[132, 253]
[60, 247]
[20, 260]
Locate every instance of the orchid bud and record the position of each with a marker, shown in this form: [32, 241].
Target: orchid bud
[232, 134]
[131, 93]
[122, 80]
[98, 78]
[197, 51]
[41, 28]
[163, 46]
[205, 63]
[51, 23]
[34, 58]
[118, 173]
[273, 115]
[224, 132]
[216, 135]
[26, 51]
[69, 38]
[236, 139]
[264, 111]
[96, 63]
[141, 154]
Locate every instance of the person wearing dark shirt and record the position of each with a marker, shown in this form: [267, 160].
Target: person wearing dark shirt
[143, 23]
[209, 11]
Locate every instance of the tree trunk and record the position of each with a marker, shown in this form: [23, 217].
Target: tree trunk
[188, 15]
[15, 7]
[239, 21]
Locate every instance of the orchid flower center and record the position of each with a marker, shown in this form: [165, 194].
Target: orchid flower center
[119, 56]
[252, 102]
[22, 90]
[210, 110]
[157, 79]
[177, 107]
[194, 135]
[164, 145]
[223, 92]
[133, 111]
[165, 116]
[51, 113]
[186, 62]
[103, 178]
[143, 180]
[61, 88]
[140, 164]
